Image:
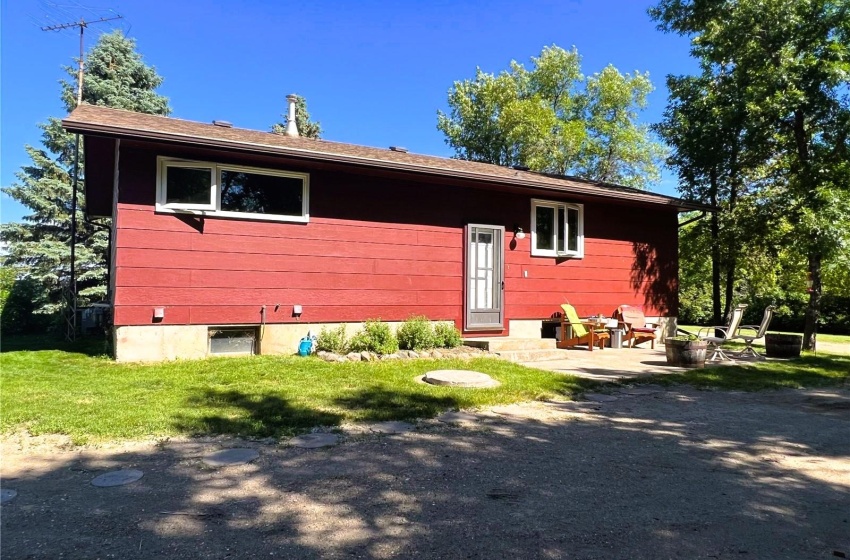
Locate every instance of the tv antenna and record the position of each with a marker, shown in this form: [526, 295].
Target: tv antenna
[71, 317]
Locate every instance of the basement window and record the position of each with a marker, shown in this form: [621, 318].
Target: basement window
[557, 229]
[232, 341]
[210, 189]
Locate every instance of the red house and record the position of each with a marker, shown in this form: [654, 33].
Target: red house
[218, 229]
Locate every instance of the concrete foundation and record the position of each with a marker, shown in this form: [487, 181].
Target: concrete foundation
[157, 343]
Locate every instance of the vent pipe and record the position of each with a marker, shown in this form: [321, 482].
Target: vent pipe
[291, 127]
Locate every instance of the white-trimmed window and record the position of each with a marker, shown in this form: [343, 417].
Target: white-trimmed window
[557, 229]
[211, 189]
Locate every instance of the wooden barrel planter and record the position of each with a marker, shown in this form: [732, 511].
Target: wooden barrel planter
[685, 353]
[783, 345]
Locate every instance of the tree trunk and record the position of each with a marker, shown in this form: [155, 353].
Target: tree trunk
[807, 185]
[715, 253]
[810, 329]
[731, 246]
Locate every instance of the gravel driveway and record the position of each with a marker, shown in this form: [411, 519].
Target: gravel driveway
[665, 473]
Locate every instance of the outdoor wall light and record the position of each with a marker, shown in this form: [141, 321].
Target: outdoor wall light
[518, 233]
[297, 311]
[809, 282]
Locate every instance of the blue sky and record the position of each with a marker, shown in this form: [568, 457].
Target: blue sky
[374, 73]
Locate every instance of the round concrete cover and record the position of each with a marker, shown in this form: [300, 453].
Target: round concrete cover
[459, 378]
[314, 441]
[235, 456]
[390, 427]
[117, 478]
[7, 495]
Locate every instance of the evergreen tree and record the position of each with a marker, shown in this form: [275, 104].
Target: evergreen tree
[39, 246]
[306, 127]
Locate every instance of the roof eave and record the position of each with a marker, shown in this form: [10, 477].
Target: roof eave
[81, 127]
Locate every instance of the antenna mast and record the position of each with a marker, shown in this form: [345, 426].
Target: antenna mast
[71, 317]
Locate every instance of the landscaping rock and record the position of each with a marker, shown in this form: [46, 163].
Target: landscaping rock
[366, 356]
[354, 357]
[412, 354]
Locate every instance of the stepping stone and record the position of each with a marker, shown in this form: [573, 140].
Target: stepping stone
[639, 391]
[314, 441]
[459, 378]
[572, 405]
[117, 478]
[457, 418]
[234, 456]
[7, 495]
[599, 397]
[391, 427]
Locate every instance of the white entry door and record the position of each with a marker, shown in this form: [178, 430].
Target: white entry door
[484, 277]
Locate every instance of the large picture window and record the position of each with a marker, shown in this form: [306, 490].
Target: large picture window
[231, 191]
[557, 229]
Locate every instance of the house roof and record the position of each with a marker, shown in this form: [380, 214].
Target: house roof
[104, 121]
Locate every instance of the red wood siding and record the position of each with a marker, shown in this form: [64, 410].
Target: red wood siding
[374, 247]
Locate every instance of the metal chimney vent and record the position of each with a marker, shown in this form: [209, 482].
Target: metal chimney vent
[400, 149]
[223, 124]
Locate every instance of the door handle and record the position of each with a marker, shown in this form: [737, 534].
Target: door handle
[503, 284]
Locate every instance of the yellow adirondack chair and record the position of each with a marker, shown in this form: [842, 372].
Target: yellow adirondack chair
[583, 332]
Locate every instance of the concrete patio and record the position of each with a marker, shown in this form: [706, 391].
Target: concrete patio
[610, 364]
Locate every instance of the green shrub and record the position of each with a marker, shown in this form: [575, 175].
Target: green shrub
[332, 340]
[446, 335]
[375, 336]
[416, 334]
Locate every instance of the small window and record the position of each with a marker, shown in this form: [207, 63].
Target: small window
[231, 191]
[234, 341]
[557, 229]
[188, 186]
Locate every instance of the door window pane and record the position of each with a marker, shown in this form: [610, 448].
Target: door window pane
[544, 227]
[256, 193]
[188, 185]
[482, 271]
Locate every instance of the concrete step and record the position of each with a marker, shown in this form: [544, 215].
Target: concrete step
[532, 355]
[500, 344]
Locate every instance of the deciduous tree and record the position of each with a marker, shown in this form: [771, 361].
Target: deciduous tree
[550, 118]
[793, 57]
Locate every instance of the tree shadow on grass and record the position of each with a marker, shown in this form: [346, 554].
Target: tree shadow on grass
[377, 404]
[808, 371]
[237, 413]
[88, 345]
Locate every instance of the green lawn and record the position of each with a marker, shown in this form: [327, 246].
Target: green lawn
[90, 398]
[48, 388]
[821, 370]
